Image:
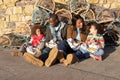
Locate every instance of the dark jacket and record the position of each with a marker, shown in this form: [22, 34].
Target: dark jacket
[49, 35]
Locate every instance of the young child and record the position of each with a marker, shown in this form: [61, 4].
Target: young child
[36, 43]
[37, 38]
[95, 43]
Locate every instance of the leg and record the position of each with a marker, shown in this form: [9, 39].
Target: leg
[52, 57]
[45, 53]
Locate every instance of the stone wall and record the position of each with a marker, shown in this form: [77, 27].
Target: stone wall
[14, 13]
[106, 3]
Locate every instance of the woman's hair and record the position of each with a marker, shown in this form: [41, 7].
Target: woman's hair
[74, 20]
[97, 26]
[35, 27]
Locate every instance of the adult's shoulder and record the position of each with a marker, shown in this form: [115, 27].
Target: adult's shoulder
[70, 26]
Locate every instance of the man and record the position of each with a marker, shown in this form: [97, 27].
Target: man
[55, 33]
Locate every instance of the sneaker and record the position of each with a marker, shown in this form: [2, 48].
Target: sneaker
[31, 59]
[52, 57]
[99, 58]
[17, 54]
[70, 59]
[60, 57]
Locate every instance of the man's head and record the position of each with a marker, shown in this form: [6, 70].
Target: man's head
[53, 20]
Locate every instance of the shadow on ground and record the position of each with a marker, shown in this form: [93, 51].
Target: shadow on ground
[108, 50]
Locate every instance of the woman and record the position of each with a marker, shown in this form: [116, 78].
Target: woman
[76, 34]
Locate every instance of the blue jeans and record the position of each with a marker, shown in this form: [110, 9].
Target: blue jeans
[99, 52]
[63, 46]
[45, 53]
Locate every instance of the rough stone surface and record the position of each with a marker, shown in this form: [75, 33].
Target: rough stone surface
[1, 1]
[14, 18]
[17, 10]
[115, 5]
[92, 1]
[28, 10]
[16, 68]
[9, 11]
[20, 11]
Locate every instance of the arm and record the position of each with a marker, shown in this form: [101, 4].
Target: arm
[69, 31]
[48, 35]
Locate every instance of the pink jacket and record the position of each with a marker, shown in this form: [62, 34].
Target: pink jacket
[36, 39]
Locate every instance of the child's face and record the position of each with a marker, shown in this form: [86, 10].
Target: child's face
[79, 23]
[93, 30]
[38, 32]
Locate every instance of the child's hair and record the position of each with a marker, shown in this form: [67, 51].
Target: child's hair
[97, 26]
[35, 27]
[74, 20]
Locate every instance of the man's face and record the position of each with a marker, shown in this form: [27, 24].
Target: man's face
[52, 22]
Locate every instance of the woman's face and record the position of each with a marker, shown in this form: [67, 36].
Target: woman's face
[79, 23]
[38, 32]
[93, 30]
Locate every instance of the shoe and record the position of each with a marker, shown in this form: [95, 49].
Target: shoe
[38, 54]
[70, 59]
[60, 57]
[31, 59]
[17, 54]
[92, 56]
[99, 58]
[52, 57]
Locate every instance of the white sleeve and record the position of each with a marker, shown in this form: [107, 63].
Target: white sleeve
[72, 43]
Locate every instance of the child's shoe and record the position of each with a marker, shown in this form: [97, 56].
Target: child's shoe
[70, 59]
[17, 54]
[99, 58]
[52, 57]
[31, 59]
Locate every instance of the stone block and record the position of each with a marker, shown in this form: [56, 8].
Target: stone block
[1, 2]
[9, 2]
[13, 1]
[103, 1]
[18, 23]
[3, 7]
[118, 0]
[17, 10]
[60, 1]
[14, 18]
[110, 1]
[20, 3]
[115, 5]
[11, 24]
[92, 1]
[9, 11]
[5, 24]
[107, 5]
[27, 18]
[7, 18]
[1, 24]
[28, 10]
